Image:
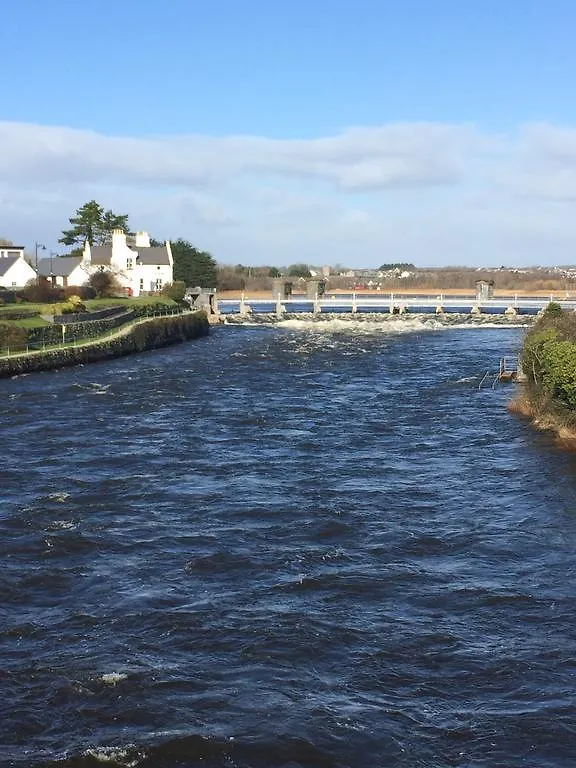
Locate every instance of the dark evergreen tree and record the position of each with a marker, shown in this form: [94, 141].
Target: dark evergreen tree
[193, 266]
[93, 224]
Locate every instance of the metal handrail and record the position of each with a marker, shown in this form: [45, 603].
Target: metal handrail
[43, 347]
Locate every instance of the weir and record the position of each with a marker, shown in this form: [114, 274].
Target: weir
[389, 303]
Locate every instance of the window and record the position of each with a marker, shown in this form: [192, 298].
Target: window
[129, 263]
[141, 283]
[14, 285]
[158, 286]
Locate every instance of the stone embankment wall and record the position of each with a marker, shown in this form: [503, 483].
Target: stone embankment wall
[52, 334]
[145, 335]
[81, 317]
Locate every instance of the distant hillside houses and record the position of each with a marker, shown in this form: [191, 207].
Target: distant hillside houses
[138, 267]
[378, 274]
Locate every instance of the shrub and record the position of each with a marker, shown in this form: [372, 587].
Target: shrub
[104, 284]
[12, 336]
[41, 291]
[549, 358]
[77, 303]
[68, 308]
[83, 292]
[553, 309]
[175, 290]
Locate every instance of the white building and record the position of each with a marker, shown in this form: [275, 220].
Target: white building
[11, 250]
[64, 270]
[138, 268]
[15, 271]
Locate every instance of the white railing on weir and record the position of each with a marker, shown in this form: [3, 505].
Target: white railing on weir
[397, 300]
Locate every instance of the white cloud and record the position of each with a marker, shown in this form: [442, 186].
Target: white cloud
[423, 192]
[361, 158]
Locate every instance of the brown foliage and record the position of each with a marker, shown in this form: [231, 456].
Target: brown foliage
[104, 284]
[41, 291]
[12, 336]
[84, 291]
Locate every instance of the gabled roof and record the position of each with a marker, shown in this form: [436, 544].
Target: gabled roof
[58, 266]
[101, 255]
[156, 255]
[6, 263]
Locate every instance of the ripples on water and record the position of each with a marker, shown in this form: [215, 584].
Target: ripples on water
[279, 547]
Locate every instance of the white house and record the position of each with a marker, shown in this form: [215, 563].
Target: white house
[11, 250]
[64, 270]
[15, 271]
[138, 267]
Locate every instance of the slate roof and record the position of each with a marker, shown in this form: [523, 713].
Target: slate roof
[6, 263]
[101, 255]
[60, 266]
[156, 255]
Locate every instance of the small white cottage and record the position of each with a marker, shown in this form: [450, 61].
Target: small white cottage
[64, 270]
[15, 271]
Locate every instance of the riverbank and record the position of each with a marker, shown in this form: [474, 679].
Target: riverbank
[548, 392]
[544, 418]
[143, 335]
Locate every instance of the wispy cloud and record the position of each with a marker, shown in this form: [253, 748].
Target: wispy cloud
[362, 158]
[431, 193]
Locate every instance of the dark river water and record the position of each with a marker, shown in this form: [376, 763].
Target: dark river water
[286, 547]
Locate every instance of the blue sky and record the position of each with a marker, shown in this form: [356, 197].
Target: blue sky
[438, 131]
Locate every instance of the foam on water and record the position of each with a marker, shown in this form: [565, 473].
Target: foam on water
[338, 325]
[113, 678]
[127, 756]
[377, 323]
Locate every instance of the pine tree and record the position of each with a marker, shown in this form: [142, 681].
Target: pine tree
[93, 224]
[193, 266]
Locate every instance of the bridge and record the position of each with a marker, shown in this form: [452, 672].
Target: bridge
[391, 304]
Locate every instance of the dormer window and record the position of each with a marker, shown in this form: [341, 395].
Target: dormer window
[129, 263]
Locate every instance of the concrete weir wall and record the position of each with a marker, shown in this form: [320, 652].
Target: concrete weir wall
[147, 334]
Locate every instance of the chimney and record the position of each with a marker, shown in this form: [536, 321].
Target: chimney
[118, 238]
[142, 240]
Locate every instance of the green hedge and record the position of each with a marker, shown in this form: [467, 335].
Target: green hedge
[89, 329]
[549, 359]
[17, 314]
[12, 336]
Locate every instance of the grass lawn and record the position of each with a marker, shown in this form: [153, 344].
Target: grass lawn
[91, 304]
[126, 302]
[29, 322]
[43, 309]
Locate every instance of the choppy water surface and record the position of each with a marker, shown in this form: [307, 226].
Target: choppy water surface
[285, 547]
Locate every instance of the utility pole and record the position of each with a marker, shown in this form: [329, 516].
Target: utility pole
[37, 247]
[52, 254]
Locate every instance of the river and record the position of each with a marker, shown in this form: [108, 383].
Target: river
[296, 546]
